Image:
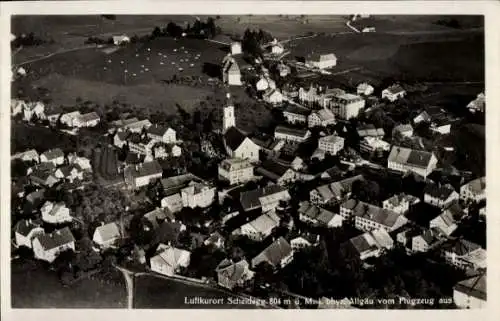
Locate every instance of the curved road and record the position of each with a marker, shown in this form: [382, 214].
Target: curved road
[129, 279]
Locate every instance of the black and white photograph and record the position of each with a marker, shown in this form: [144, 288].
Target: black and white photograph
[251, 161]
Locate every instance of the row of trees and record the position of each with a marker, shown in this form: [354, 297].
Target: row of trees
[253, 40]
[202, 29]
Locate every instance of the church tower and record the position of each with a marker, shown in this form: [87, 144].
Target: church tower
[229, 119]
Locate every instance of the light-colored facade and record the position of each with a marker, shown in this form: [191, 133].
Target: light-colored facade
[55, 213]
[331, 144]
[198, 195]
[407, 160]
[474, 191]
[347, 106]
[236, 171]
[291, 134]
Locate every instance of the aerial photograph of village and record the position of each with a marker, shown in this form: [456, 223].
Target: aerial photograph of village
[248, 162]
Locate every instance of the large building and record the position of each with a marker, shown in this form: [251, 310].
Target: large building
[347, 106]
[289, 134]
[331, 144]
[141, 175]
[333, 193]
[235, 171]
[404, 159]
[267, 198]
[369, 217]
[322, 61]
[321, 118]
[231, 74]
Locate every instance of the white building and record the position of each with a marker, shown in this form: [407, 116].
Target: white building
[47, 247]
[235, 171]
[87, 120]
[236, 48]
[141, 175]
[365, 89]
[55, 213]
[408, 160]
[470, 293]
[331, 144]
[474, 191]
[106, 235]
[405, 130]
[368, 217]
[170, 260]
[322, 61]
[260, 228]
[440, 196]
[393, 93]
[162, 134]
[68, 119]
[321, 118]
[198, 194]
[265, 83]
[30, 155]
[291, 134]
[231, 74]
[55, 156]
[372, 244]
[26, 231]
[266, 198]
[120, 40]
[295, 114]
[34, 109]
[272, 96]
[400, 203]
[347, 106]
[371, 144]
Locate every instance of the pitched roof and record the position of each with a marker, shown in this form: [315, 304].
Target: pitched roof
[158, 214]
[331, 139]
[24, 227]
[174, 184]
[251, 199]
[394, 89]
[171, 256]
[293, 109]
[108, 231]
[475, 286]
[235, 271]
[369, 130]
[291, 131]
[234, 164]
[56, 238]
[376, 214]
[403, 155]
[478, 185]
[89, 117]
[148, 168]
[275, 252]
[272, 169]
[158, 130]
[265, 222]
[325, 114]
[441, 192]
[233, 138]
[461, 247]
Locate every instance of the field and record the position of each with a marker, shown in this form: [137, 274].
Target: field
[38, 288]
[158, 293]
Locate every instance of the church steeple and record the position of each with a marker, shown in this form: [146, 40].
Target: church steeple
[229, 119]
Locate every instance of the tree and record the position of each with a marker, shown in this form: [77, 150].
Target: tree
[366, 191]
[156, 32]
[211, 28]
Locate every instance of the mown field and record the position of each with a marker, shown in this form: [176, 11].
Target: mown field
[35, 287]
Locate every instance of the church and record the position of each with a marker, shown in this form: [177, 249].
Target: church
[236, 143]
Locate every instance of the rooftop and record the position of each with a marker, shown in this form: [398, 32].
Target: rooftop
[417, 158]
[291, 131]
[56, 238]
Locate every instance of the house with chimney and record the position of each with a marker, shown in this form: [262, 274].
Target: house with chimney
[404, 160]
[47, 246]
[25, 231]
[140, 175]
[279, 254]
[232, 275]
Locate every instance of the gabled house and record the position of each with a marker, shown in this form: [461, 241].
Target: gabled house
[321, 118]
[295, 114]
[423, 242]
[120, 40]
[409, 160]
[447, 222]
[371, 244]
[440, 196]
[232, 275]
[17, 106]
[30, 155]
[153, 219]
[478, 104]
[368, 217]
[69, 173]
[464, 254]
[293, 135]
[322, 61]
[400, 203]
[393, 93]
[106, 235]
[53, 115]
[87, 120]
[331, 144]
[47, 247]
[142, 174]
[82, 162]
[55, 213]
[231, 74]
[68, 119]
[374, 145]
[304, 240]
[313, 214]
[55, 156]
[369, 130]
[34, 109]
[120, 138]
[272, 96]
[422, 117]
[235, 171]
[264, 83]
[278, 254]
[170, 260]
[162, 134]
[277, 173]
[470, 293]
[25, 231]
[267, 198]
[335, 192]
[187, 190]
[238, 145]
[474, 191]
[260, 228]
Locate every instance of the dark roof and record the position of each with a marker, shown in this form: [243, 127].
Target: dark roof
[174, 184]
[149, 168]
[56, 238]
[250, 199]
[36, 196]
[291, 131]
[123, 134]
[419, 158]
[275, 252]
[461, 247]
[133, 158]
[158, 215]
[167, 232]
[24, 227]
[157, 130]
[297, 110]
[475, 286]
[270, 167]
[233, 138]
[441, 192]
[53, 153]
